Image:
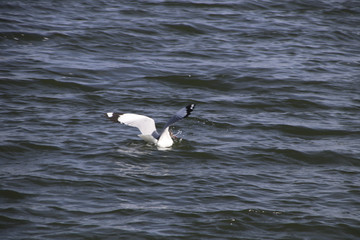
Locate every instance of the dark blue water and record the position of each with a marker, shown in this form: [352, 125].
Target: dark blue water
[272, 150]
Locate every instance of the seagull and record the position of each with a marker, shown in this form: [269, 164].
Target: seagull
[146, 125]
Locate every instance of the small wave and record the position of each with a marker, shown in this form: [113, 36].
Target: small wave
[12, 195]
[184, 28]
[6, 222]
[134, 149]
[303, 131]
[302, 103]
[216, 124]
[295, 156]
[23, 36]
[232, 216]
[187, 81]
[39, 146]
[9, 149]
[66, 84]
[40, 84]
[312, 132]
[16, 148]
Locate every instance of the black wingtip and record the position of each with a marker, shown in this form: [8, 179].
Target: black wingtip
[189, 109]
[113, 116]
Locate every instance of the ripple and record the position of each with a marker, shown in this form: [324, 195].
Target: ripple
[184, 28]
[12, 195]
[23, 36]
[193, 81]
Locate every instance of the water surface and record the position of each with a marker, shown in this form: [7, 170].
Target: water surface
[270, 152]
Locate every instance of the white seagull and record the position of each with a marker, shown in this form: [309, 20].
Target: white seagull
[147, 127]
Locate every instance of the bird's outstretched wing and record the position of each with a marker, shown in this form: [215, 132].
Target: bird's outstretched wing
[182, 113]
[145, 124]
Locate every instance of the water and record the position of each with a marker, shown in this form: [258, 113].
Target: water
[270, 152]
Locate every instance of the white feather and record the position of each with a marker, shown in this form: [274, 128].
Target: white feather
[165, 139]
[145, 124]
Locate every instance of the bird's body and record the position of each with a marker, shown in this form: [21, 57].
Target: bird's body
[147, 126]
